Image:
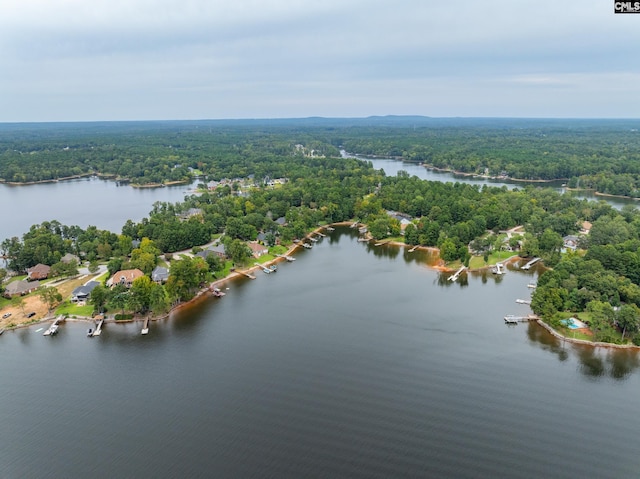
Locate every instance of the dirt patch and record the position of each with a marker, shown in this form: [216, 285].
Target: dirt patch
[33, 303]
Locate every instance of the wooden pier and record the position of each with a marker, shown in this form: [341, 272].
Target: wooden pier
[145, 327]
[497, 269]
[414, 248]
[98, 330]
[53, 329]
[320, 234]
[307, 245]
[455, 275]
[288, 258]
[513, 319]
[245, 273]
[531, 263]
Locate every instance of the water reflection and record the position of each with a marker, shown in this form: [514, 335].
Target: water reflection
[595, 363]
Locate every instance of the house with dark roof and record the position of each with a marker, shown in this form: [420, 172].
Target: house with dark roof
[125, 277]
[217, 249]
[20, 288]
[82, 293]
[160, 274]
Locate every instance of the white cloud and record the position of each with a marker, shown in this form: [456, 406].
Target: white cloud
[279, 57]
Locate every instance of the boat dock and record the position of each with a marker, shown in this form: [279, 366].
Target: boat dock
[531, 263]
[244, 273]
[53, 329]
[414, 248]
[288, 258]
[513, 319]
[498, 269]
[455, 275]
[145, 327]
[307, 245]
[264, 268]
[523, 301]
[320, 234]
[98, 330]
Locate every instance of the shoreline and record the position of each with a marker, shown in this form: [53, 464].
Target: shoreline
[201, 294]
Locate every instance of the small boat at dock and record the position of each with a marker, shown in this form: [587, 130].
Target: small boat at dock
[89, 332]
[307, 245]
[217, 293]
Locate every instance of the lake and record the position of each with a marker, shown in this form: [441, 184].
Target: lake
[83, 202]
[391, 167]
[352, 361]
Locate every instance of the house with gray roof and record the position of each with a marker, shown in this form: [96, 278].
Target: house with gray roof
[160, 274]
[20, 288]
[82, 293]
[217, 249]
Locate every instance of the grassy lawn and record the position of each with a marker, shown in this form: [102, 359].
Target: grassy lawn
[226, 271]
[278, 249]
[495, 257]
[67, 307]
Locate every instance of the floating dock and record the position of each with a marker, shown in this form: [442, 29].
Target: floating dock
[455, 275]
[531, 263]
[145, 327]
[523, 301]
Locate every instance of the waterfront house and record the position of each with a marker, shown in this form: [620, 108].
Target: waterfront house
[257, 249]
[217, 249]
[82, 293]
[39, 271]
[160, 274]
[20, 288]
[125, 277]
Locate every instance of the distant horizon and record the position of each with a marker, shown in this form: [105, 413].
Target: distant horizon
[317, 117]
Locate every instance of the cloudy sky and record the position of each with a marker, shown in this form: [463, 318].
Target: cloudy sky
[80, 60]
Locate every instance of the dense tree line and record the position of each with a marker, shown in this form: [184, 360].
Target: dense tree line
[587, 153]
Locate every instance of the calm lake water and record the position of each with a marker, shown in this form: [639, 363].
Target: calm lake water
[392, 167]
[352, 361]
[82, 202]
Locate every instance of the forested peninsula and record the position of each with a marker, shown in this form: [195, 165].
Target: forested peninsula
[271, 182]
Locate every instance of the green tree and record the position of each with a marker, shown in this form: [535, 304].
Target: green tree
[98, 298]
[628, 318]
[50, 296]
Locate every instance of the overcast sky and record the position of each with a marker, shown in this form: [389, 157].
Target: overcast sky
[79, 60]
